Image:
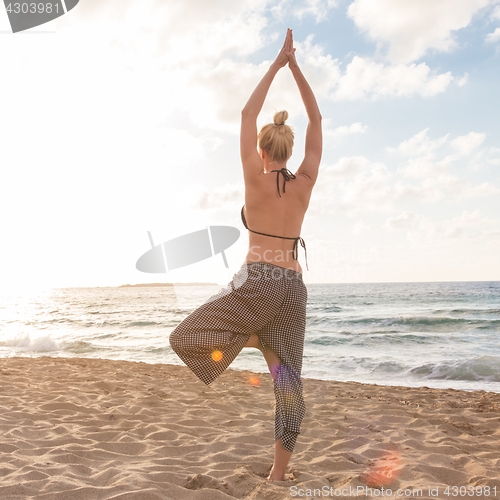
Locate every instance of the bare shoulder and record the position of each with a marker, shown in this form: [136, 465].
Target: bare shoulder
[306, 181]
[252, 169]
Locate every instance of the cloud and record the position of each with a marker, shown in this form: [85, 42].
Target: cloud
[406, 220]
[226, 196]
[419, 144]
[318, 9]
[495, 14]
[410, 29]
[423, 151]
[360, 227]
[485, 159]
[339, 133]
[459, 189]
[467, 225]
[465, 144]
[224, 87]
[174, 32]
[356, 184]
[365, 78]
[493, 37]
[220, 90]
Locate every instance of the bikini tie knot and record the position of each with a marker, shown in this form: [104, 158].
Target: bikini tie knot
[287, 175]
[295, 252]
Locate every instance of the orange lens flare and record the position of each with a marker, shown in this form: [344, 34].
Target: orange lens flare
[255, 381]
[385, 471]
[216, 355]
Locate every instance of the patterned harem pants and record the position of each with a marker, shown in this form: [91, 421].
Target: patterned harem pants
[263, 298]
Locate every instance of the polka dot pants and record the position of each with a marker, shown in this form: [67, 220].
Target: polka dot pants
[263, 298]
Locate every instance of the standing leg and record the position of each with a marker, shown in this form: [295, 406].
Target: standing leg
[285, 335]
[281, 459]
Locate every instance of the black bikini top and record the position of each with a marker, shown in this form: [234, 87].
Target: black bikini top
[287, 175]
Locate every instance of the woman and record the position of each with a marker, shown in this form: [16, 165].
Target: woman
[264, 306]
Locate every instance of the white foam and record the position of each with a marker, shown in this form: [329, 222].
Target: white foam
[39, 344]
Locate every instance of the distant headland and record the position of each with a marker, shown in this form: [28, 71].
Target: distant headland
[167, 284]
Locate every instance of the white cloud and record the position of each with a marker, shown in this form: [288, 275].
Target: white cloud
[419, 144]
[485, 158]
[229, 196]
[355, 184]
[222, 89]
[461, 189]
[344, 130]
[406, 220]
[462, 81]
[465, 144]
[423, 167]
[467, 225]
[322, 71]
[412, 28]
[366, 78]
[423, 152]
[360, 227]
[496, 13]
[493, 37]
[318, 9]
[171, 31]
[229, 81]
[345, 168]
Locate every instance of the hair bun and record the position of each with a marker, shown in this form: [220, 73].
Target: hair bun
[280, 118]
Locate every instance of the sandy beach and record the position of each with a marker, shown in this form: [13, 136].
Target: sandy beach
[98, 429]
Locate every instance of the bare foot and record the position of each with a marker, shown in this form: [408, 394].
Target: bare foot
[275, 477]
[273, 362]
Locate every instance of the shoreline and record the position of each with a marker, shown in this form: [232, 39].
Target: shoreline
[133, 430]
[415, 385]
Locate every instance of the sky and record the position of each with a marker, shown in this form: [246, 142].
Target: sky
[122, 117]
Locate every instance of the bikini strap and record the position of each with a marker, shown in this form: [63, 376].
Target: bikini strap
[263, 234]
[287, 175]
[295, 250]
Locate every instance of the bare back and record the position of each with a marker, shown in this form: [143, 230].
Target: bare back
[267, 212]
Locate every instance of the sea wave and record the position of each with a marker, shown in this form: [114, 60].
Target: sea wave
[26, 344]
[485, 368]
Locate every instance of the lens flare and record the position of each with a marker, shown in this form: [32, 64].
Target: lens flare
[255, 381]
[216, 355]
[384, 471]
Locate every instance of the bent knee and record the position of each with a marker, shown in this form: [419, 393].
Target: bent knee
[175, 340]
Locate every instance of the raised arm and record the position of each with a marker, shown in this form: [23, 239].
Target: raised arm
[252, 163]
[314, 134]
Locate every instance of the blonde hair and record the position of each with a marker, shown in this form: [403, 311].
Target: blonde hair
[276, 139]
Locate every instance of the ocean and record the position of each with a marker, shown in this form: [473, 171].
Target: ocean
[437, 334]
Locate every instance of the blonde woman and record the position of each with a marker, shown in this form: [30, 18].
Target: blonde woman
[264, 306]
